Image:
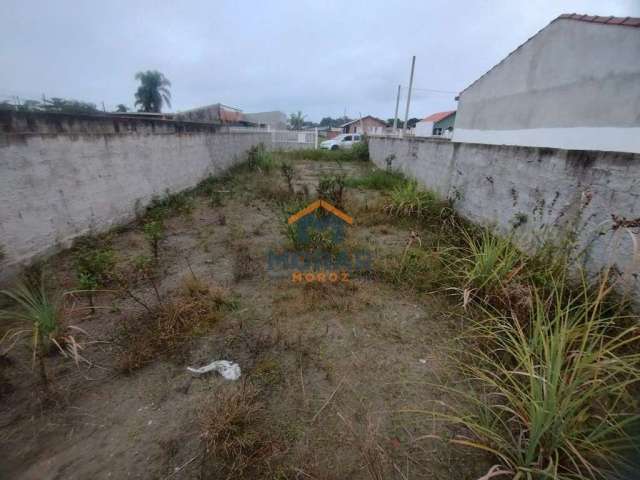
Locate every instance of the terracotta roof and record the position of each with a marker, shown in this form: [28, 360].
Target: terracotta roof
[624, 21]
[615, 21]
[436, 117]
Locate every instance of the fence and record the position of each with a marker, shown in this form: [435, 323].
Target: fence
[288, 139]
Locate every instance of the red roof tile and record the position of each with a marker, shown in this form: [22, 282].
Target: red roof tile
[436, 117]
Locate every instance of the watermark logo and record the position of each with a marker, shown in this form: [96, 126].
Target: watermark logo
[317, 233]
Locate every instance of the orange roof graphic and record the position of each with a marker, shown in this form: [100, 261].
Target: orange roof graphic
[320, 204]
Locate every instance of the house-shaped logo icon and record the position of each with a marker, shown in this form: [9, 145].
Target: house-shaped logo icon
[320, 217]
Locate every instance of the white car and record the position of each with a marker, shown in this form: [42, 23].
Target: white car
[346, 140]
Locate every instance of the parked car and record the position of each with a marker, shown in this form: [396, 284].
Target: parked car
[346, 140]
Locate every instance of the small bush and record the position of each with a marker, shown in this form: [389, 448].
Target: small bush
[378, 180]
[360, 151]
[94, 263]
[288, 172]
[409, 200]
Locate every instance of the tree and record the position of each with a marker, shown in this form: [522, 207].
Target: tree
[153, 91]
[296, 120]
[334, 122]
[122, 108]
[390, 123]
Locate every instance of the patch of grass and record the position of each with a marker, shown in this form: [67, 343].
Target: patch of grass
[409, 200]
[181, 203]
[260, 159]
[378, 180]
[339, 156]
[552, 395]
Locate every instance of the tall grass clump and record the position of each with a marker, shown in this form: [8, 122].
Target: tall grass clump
[409, 200]
[552, 395]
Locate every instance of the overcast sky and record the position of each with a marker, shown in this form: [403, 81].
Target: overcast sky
[324, 58]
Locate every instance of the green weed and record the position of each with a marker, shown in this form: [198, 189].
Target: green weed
[378, 180]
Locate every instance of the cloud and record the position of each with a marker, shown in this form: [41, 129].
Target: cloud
[323, 58]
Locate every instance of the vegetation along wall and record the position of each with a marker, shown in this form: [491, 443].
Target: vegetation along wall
[535, 194]
[63, 176]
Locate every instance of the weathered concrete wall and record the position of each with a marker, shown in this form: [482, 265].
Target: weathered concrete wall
[552, 191]
[575, 85]
[62, 176]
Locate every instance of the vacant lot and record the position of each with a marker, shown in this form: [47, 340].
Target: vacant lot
[327, 369]
[338, 378]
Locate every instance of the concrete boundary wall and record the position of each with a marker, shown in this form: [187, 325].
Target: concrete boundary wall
[534, 193]
[63, 176]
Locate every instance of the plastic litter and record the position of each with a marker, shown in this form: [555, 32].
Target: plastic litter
[229, 370]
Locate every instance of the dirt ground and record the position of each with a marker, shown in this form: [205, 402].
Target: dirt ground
[336, 378]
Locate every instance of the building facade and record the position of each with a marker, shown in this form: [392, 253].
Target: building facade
[437, 124]
[573, 85]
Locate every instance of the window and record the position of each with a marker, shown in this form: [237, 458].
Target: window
[347, 138]
[356, 138]
[437, 131]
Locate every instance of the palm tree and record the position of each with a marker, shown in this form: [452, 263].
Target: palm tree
[153, 91]
[296, 120]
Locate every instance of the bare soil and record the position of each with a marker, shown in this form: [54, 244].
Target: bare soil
[337, 379]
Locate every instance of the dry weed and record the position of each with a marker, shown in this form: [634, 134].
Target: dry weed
[234, 446]
[165, 330]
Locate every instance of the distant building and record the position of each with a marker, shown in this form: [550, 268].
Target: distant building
[216, 113]
[437, 124]
[275, 120]
[573, 85]
[370, 125]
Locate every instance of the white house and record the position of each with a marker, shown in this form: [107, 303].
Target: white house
[573, 85]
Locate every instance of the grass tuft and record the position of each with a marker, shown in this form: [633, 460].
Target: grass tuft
[552, 395]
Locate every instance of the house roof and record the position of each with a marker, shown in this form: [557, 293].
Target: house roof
[615, 21]
[436, 117]
[368, 116]
[624, 21]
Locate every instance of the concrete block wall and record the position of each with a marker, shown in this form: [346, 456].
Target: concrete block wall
[534, 193]
[63, 176]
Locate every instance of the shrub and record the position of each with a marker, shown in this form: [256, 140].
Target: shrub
[360, 151]
[408, 200]
[94, 265]
[378, 180]
[552, 395]
[287, 172]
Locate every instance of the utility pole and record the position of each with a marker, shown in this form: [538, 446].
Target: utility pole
[395, 117]
[406, 112]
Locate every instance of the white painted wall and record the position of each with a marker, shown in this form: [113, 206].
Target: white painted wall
[423, 129]
[56, 187]
[575, 85]
[557, 190]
